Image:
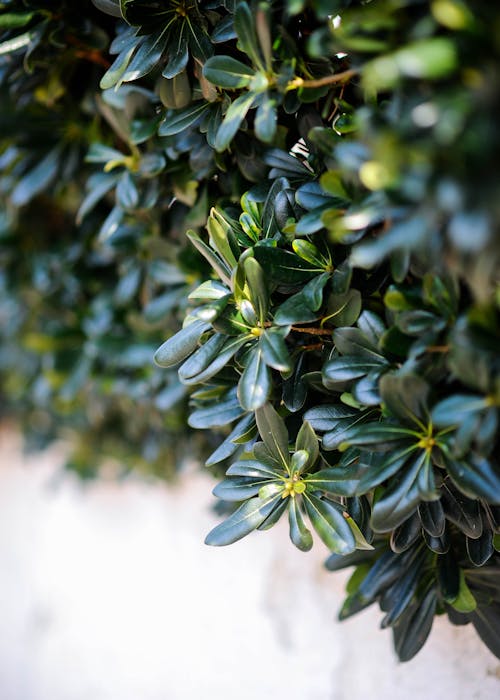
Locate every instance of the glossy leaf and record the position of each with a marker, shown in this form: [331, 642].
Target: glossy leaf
[328, 520]
[244, 520]
[299, 534]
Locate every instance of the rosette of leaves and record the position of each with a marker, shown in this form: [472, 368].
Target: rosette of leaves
[414, 460]
[273, 480]
[162, 37]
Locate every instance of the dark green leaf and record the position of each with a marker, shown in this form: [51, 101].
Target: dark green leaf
[411, 633]
[476, 478]
[273, 431]
[329, 522]
[254, 385]
[180, 345]
[227, 72]
[299, 534]
[274, 350]
[244, 520]
[401, 497]
[238, 488]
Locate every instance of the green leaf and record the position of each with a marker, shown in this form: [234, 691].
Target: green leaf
[208, 363]
[238, 488]
[252, 468]
[180, 345]
[461, 511]
[181, 119]
[254, 385]
[282, 267]
[411, 633]
[38, 178]
[232, 120]
[481, 549]
[476, 478]
[273, 431]
[266, 120]
[274, 350]
[465, 601]
[347, 368]
[244, 520]
[361, 541]
[299, 533]
[203, 357]
[116, 70]
[324, 418]
[352, 341]
[333, 480]
[304, 306]
[329, 522]
[220, 236]
[227, 72]
[432, 517]
[244, 24]
[13, 20]
[382, 467]
[257, 288]
[307, 440]
[219, 265]
[401, 497]
[453, 410]
[405, 395]
[216, 414]
[147, 56]
[229, 446]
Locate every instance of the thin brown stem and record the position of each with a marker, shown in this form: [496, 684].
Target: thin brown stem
[327, 79]
[311, 331]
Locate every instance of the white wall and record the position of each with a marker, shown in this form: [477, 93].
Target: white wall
[108, 593]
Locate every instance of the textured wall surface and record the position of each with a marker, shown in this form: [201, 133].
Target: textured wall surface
[108, 593]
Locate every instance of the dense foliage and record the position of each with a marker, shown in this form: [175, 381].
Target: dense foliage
[310, 188]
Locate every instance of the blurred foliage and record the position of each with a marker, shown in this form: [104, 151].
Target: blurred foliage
[310, 189]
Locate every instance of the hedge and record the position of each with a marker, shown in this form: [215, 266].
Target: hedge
[293, 206]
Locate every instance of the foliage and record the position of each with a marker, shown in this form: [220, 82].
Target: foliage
[315, 197]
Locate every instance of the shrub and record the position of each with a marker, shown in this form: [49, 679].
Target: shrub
[314, 196]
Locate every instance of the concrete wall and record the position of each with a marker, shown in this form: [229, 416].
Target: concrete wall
[108, 593]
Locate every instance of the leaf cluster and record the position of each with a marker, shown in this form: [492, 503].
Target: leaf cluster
[308, 190]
